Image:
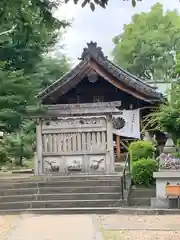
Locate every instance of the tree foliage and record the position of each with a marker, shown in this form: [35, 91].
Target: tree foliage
[28, 31]
[17, 91]
[50, 69]
[166, 117]
[148, 45]
[20, 144]
[3, 152]
[178, 64]
[35, 30]
[101, 3]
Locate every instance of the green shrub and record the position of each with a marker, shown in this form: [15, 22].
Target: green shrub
[142, 171]
[141, 149]
[3, 152]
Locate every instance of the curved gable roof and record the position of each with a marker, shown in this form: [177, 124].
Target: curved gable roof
[94, 53]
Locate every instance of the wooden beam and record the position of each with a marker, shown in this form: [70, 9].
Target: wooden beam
[118, 147]
[120, 86]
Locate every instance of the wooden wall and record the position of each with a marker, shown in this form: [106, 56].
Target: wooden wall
[101, 90]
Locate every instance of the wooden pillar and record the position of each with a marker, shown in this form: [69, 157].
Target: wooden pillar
[35, 166]
[118, 147]
[110, 148]
[38, 159]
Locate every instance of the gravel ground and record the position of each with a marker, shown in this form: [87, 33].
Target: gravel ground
[141, 235]
[6, 225]
[140, 222]
[122, 227]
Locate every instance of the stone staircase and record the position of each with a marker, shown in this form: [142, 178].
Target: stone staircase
[141, 196]
[61, 194]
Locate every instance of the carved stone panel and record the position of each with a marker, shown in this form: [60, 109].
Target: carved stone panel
[74, 164]
[53, 165]
[79, 122]
[97, 164]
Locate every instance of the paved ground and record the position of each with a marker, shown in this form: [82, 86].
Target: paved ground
[89, 227]
[7, 223]
[53, 227]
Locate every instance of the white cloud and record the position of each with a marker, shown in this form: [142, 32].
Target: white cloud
[103, 24]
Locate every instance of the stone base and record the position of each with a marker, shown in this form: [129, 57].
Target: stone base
[159, 203]
[164, 203]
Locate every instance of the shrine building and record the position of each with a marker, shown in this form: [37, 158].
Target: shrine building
[90, 113]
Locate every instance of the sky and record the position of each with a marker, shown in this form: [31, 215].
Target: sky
[101, 25]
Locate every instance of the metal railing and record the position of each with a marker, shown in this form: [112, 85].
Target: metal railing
[126, 176]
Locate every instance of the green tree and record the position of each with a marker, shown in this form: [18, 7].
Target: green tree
[50, 69]
[35, 30]
[28, 30]
[17, 91]
[178, 64]
[3, 152]
[148, 45]
[20, 145]
[166, 117]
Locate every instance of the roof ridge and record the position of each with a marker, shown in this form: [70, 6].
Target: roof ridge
[130, 74]
[59, 80]
[134, 82]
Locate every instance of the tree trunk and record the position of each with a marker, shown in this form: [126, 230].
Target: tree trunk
[21, 160]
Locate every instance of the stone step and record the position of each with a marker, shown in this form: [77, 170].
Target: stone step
[14, 179]
[73, 183]
[143, 192]
[62, 196]
[141, 196]
[140, 202]
[94, 210]
[55, 190]
[63, 204]
[89, 210]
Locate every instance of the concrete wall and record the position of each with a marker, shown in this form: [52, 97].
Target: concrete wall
[162, 177]
[173, 177]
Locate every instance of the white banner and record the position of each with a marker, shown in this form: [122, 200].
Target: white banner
[131, 119]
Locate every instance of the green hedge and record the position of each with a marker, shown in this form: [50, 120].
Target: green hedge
[142, 171]
[141, 149]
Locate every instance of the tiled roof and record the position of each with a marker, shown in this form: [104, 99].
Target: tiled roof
[129, 79]
[94, 52]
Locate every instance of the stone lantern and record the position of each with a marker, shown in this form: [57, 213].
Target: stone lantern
[169, 145]
[147, 137]
[1, 134]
